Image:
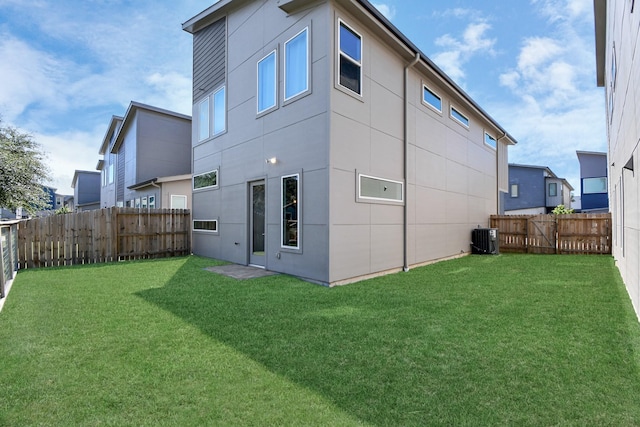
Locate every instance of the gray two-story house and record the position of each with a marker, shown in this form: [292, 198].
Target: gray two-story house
[327, 146]
[146, 159]
[535, 190]
[86, 190]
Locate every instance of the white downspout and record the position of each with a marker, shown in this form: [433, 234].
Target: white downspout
[405, 230]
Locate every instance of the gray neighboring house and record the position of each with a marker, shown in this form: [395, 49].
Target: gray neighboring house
[146, 159]
[617, 31]
[535, 190]
[594, 185]
[86, 190]
[327, 146]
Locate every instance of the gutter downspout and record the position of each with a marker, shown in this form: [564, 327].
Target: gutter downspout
[504, 135]
[405, 227]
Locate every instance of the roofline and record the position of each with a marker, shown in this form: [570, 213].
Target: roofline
[128, 116]
[600, 24]
[78, 172]
[160, 180]
[595, 153]
[205, 18]
[105, 140]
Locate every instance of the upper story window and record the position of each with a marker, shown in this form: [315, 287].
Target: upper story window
[205, 180]
[432, 99]
[458, 116]
[490, 141]
[267, 82]
[594, 185]
[212, 114]
[296, 65]
[553, 189]
[514, 190]
[350, 59]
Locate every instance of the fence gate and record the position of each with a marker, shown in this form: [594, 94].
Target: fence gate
[542, 234]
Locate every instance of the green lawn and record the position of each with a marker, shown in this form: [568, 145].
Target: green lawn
[481, 340]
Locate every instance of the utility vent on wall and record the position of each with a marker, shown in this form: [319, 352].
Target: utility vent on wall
[485, 241]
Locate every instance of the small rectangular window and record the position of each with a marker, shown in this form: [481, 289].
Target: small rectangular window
[137, 202]
[152, 202]
[594, 185]
[490, 141]
[380, 189]
[205, 180]
[267, 82]
[457, 115]
[432, 99]
[290, 212]
[210, 225]
[178, 201]
[514, 190]
[553, 189]
[144, 203]
[350, 59]
[111, 173]
[296, 65]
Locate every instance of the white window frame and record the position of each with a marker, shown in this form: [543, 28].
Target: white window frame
[212, 113]
[514, 190]
[493, 146]
[555, 187]
[349, 58]
[201, 230]
[464, 123]
[208, 187]
[307, 65]
[427, 103]
[178, 196]
[379, 199]
[298, 213]
[273, 53]
[152, 202]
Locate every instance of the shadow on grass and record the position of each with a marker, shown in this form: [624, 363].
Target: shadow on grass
[414, 350]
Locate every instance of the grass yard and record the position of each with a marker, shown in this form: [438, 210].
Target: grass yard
[481, 340]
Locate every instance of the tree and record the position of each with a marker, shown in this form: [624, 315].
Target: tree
[23, 171]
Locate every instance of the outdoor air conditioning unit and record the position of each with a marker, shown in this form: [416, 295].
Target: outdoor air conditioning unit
[485, 241]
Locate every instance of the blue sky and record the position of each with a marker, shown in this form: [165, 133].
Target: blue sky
[67, 66]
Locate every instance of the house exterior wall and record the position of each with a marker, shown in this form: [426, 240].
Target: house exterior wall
[593, 165]
[531, 193]
[328, 138]
[618, 41]
[108, 171]
[86, 191]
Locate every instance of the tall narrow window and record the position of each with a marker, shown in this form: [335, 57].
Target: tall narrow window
[290, 212]
[514, 190]
[553, 189]
[219, 111]
[296, 65]
[350, 59]
[267, 82]
[203, 119]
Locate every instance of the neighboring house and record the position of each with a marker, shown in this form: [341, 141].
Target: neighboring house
[327, 146]
[69, 203]
[146, 159]
[617, 27]
[593, 181]
[86, 190]
[535, 190]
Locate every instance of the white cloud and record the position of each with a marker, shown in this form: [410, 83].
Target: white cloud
[389, 12]
[457, 52]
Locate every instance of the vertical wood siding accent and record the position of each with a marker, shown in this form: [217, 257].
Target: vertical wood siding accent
[120, 174]
[209, 58]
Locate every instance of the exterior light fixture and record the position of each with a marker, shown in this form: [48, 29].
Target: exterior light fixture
[271, 161]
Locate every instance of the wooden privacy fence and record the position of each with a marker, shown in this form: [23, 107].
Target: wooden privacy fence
[554, 234]
[104, 235]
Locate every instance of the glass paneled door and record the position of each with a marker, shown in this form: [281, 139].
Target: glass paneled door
[257, 223]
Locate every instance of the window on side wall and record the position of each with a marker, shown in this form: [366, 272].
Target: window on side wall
[267, 82]
[152, 202]
[459, 117]
[379, 189]
[178, 201]
[594, 185]
[290, 212]
[205, 180]
[432, 99]
[296, 65]
[350, 59]
[490, 141]
[553, 189]
[514, 190]
[209, 225]
[212, 114]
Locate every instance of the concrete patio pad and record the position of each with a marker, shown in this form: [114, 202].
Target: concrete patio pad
[240, 272]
